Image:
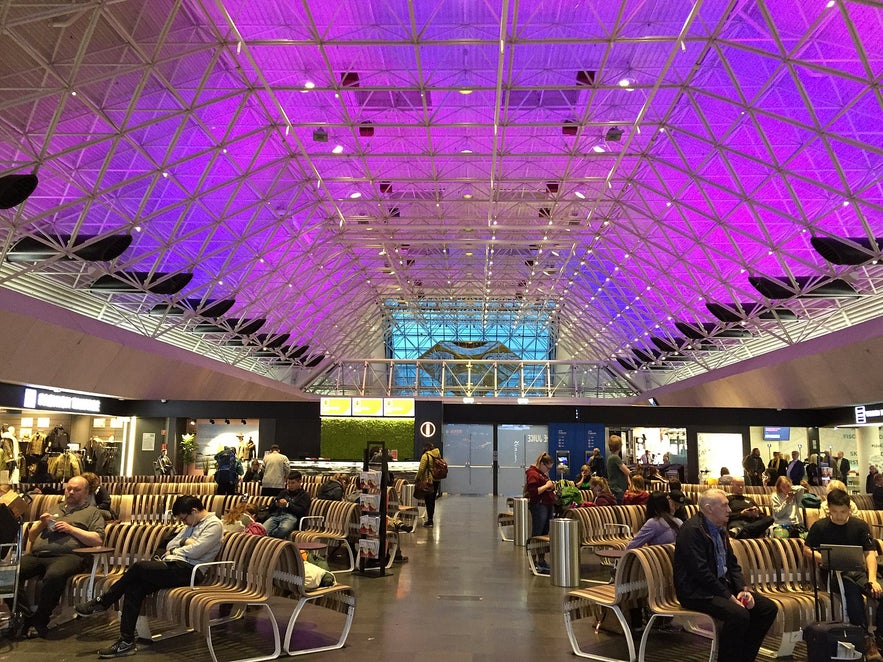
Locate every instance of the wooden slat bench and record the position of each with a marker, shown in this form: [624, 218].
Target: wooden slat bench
[331, 521]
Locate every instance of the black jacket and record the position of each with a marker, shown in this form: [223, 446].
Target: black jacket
[695, 565]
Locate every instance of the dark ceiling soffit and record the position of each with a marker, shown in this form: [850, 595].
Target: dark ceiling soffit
[729, 313]
[212, 308]
[15, 189]
[705, 330]
[846, 250]
[156, 283]
[812, 287]
[29, 249]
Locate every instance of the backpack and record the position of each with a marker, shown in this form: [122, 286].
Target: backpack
[438, 468]
[226, 471]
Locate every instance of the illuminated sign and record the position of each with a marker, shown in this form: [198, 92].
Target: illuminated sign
[36, 399]
[427, 429]
[864, 413]
[398, 407]
[335, 406]
[367, 406]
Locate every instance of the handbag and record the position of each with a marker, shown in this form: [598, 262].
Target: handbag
[423, 488]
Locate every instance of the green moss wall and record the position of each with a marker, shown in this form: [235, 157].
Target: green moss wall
[346, 438]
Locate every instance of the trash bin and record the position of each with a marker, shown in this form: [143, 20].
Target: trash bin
[522, 521]
[407, 496]
[564, 542]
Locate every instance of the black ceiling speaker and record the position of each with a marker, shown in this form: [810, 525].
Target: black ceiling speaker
[846, 250]
[156, 283]
[15, 189]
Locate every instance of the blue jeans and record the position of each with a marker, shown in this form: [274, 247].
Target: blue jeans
[280, 525]
[541, 515]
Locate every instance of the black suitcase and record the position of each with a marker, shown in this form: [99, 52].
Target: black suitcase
[822, 637]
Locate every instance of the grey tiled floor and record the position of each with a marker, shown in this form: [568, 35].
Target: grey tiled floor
[464, 596]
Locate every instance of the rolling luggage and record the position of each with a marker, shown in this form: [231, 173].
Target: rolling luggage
[826, 640]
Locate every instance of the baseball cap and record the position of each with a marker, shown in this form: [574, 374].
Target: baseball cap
[677, 496]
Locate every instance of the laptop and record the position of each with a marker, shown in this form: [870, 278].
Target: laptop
[842, 558]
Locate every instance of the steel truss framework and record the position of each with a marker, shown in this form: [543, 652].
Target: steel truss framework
[629, 162]
[473, 379]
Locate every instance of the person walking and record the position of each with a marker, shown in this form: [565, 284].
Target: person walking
[424, 473]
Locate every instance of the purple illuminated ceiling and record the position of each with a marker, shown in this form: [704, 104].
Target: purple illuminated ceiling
[633, 160]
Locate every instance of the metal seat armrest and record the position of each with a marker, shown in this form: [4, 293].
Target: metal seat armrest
[321, 518]
[202, 565]
[623, 529]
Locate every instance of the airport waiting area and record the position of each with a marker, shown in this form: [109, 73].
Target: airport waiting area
[462, 589]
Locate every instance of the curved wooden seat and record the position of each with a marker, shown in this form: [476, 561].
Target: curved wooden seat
[338, 521]
[628, 590]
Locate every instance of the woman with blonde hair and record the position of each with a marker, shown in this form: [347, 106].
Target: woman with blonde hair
[786, 501]
[636, 494]
[238, 517]
[540, 492]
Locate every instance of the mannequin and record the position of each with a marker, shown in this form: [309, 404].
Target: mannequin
[10, 453]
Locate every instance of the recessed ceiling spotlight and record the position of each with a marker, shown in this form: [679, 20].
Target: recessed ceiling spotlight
[846, 203]
[137, 228]
[309, 85]
[467, 196]
[598, 149]
[465, 91]
[354, 195]
[338, 149]
[580, 195]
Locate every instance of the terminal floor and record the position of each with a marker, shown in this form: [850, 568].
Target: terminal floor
[464, 596]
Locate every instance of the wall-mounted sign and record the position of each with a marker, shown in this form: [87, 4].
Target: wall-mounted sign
[427, 429]
[335, 406]
[37, 399]
[367, 406]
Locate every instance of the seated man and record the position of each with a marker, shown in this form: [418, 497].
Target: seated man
[290, 505]
[708, 579]
[839, 528]
[198, 542]
[746, 519]
[74, 522]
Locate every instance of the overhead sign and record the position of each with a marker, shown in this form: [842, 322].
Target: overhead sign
[427, 429]
[37, 399]
[368, 407]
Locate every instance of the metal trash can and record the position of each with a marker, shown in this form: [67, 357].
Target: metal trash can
[407, 495]
[564, 541]
[522, 521]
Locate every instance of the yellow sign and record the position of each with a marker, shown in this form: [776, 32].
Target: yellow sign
[398, 407]
[335, 406]
[367, 406]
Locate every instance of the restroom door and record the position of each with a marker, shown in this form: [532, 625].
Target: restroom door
[468, 450]
[518, 446]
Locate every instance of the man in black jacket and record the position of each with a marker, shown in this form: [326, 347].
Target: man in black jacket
[289, 506]
[708, 579]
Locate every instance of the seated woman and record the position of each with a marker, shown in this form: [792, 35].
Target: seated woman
[661, 526]
[99, 496]
[238, 517]
[786, 501]
[726, 478]
[583, 481]
[636, 494]
[601, 492]
[837, 485]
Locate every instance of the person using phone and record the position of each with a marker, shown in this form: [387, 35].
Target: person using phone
[290, 505]
[73, 523]
[786, 501]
